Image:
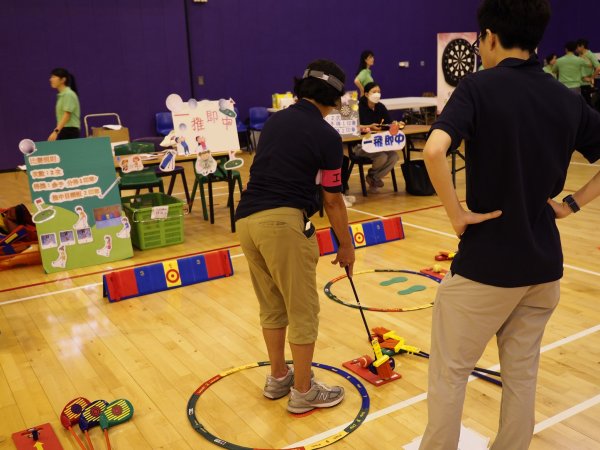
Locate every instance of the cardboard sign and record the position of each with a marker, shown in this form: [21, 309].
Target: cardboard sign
[75, 190]
[203, 125]
[383, 142]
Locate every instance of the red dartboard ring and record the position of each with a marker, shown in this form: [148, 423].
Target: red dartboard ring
[359, 238]
[172, 275]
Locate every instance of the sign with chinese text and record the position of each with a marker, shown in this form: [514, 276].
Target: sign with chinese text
[203, 125]
[383, 142]
[78, 214]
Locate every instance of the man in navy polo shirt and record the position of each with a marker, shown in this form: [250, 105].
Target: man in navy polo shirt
[299, 157]
[520, 127]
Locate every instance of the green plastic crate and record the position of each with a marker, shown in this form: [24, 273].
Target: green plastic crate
[152, 233]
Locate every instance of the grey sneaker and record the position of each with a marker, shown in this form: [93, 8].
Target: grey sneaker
[275, 388]
[319, 396]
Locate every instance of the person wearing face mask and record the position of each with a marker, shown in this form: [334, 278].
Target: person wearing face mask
[374, 116]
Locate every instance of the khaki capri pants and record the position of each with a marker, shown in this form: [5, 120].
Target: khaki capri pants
[283, 263]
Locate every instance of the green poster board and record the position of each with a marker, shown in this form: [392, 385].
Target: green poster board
[78, 211]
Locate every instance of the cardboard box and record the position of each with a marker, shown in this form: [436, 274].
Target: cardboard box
[121, 135]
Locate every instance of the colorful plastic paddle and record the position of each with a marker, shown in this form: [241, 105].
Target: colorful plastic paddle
[90, 417]
[115, 413]
[70, 416]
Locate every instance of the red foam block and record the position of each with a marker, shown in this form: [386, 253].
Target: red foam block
[218, 264]
[393, 229]
[120, 285]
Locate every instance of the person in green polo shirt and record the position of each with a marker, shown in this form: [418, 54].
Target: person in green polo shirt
[364, 76]
[570, 67]
[68, 123]
[549, 62]
[589, 73]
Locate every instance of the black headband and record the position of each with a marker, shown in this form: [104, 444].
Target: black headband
[329, 79]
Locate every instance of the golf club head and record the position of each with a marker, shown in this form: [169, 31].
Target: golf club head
[115, 413]
[90, 416]
[72, 410]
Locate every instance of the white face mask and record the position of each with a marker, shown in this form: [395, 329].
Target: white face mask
[375, 97]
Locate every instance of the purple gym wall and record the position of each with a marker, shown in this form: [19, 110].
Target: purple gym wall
[256, 47]
[128, 55]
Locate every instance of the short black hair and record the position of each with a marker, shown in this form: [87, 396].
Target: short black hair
[370, 86]
[550, 57]
[583, 42]
[320, 90]
[518, 23]
[571, 46]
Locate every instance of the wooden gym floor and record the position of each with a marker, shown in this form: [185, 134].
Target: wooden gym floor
[60, 339]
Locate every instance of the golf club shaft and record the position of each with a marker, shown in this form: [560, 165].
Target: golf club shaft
[362, 314]
[108, 447]
[475, 369]
[81, 445]
[89, 441]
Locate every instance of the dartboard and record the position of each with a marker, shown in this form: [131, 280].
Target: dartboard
[458, 60]
[345, 110]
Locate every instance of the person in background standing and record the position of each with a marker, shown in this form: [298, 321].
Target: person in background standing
[569, 68]
[589, 73]
[363, 75]
[68, 122]
[549, 63]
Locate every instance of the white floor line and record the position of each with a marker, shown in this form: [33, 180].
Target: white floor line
[46, 294]
[574, 410]
[431, 230]
[365, 213]
[579, 269]
[418, 398]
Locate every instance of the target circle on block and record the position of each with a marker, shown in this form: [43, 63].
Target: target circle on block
[359, 238]
[358, 420]
[335, 298]
[172, 275]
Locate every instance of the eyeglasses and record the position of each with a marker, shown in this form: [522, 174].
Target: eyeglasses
[475, 45]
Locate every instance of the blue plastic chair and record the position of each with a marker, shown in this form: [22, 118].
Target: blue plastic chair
[164, 123]
[258, 115]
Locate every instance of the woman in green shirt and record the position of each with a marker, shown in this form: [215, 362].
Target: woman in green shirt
[68, 123]
[363, 76]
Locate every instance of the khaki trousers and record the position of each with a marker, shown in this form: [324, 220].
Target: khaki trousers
[283, 269]
[466, 315]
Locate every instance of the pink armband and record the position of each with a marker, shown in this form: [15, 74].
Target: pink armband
[331, 178]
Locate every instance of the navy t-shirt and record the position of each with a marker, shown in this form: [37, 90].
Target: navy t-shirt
[370, 116]
[297, 151]
[520, 127]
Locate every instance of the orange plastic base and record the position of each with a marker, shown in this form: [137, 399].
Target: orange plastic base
[439, 275]
[46, 438]
[363, 372]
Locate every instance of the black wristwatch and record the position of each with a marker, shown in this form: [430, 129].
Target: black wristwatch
[56, 130]
[571, 203]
